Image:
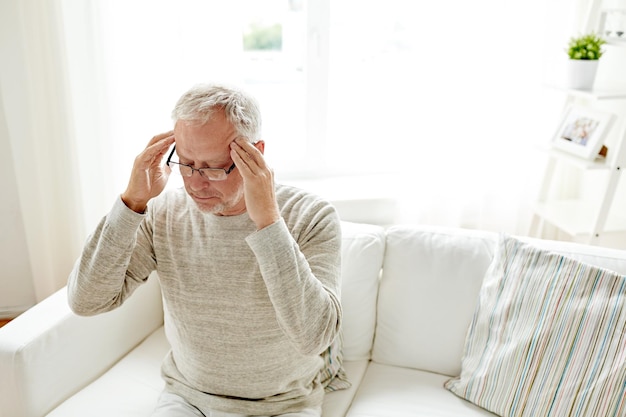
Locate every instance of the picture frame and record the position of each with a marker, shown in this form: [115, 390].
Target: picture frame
[582, 131]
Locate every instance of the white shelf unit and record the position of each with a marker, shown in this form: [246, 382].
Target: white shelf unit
[588, 221]
[595, 94]
[576, 217]
[614, 32]
[583, 220]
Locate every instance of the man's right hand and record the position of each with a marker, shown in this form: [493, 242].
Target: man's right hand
[149, 176]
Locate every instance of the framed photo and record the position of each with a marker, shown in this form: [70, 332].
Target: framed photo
[582, 131]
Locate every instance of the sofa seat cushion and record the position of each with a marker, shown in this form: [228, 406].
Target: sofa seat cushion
[131, 387]
[337, 403]
[388, 390]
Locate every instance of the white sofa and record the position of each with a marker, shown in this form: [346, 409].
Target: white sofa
[409, 294]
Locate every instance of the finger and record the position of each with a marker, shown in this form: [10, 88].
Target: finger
[239, 161]
[159, 137]
[155, 152]
[159, 149]
[248, 153]
[248, 146]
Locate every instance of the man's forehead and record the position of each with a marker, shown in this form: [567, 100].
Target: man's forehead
[214, 130]
[205, 143]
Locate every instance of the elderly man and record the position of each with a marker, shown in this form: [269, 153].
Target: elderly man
[249, 269]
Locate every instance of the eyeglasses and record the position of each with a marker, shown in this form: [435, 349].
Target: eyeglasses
[213, 174]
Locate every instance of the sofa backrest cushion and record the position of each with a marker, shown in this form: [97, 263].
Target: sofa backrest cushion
[429, 287]
[363, 247]
[428, 292]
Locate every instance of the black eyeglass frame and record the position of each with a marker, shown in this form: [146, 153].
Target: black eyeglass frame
[201, 171]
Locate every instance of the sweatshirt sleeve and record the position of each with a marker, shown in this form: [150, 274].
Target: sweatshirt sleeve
[115, 260]
[303, 280]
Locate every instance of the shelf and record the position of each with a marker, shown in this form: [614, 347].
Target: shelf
[573, 160]
[575, 217]
[594, 94]
[621, 42]
[579, 218]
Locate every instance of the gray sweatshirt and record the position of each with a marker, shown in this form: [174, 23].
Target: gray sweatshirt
[252, 317]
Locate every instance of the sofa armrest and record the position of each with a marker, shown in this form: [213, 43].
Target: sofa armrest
[48, 353]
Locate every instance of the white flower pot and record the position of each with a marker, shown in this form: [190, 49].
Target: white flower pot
[581, 73]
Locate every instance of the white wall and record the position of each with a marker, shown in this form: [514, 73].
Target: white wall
[16, 281]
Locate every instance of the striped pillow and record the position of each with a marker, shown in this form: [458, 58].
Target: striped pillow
[548, 337]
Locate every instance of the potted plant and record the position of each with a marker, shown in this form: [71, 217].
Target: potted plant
[584, 52]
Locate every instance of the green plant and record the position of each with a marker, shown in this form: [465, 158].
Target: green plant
[263, 38]
[586, 47]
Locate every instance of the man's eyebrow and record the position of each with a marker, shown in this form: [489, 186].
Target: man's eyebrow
[216, 165]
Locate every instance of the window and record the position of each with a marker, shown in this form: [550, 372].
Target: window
[257, 44]
[347, 86]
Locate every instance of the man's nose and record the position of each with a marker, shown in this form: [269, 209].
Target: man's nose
[197, 182]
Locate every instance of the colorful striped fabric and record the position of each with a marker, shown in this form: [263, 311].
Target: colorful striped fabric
[548, 338]
[333, 375]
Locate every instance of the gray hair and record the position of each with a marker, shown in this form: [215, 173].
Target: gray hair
[200, 102]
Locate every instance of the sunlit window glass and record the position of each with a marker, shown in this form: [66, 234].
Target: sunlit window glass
[273, 69]
[259, 45]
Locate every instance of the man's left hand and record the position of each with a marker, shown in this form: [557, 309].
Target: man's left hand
[258, 181]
